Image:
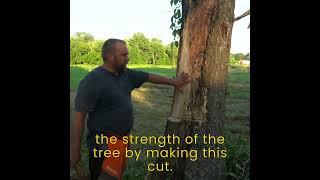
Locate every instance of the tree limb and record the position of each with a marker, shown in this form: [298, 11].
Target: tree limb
[241, 16]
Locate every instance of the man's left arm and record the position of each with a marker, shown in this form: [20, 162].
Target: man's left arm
[181, 80]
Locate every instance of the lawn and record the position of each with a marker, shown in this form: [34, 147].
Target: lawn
[151, 113]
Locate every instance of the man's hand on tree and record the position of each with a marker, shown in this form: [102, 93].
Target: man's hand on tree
[181, 80]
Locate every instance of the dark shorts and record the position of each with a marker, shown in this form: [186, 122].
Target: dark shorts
[95, 167]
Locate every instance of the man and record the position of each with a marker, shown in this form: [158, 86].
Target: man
[105, 96]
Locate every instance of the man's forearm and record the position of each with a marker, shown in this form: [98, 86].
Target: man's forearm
[77, 130]
[157, 79]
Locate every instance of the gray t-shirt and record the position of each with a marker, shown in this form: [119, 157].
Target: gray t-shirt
[107, 99]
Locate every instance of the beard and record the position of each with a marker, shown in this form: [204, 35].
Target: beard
[120, 64]
[121, 68]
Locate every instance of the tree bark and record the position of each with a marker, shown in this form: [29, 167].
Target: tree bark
[204, 51]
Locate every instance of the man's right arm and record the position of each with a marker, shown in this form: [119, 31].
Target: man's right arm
[85, 102]
[76, 135]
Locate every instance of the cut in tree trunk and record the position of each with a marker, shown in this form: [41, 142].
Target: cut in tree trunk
[204, 51]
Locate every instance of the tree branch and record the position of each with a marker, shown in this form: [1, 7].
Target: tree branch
[241, 16]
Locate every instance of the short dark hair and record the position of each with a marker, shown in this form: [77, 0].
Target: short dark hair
[108, 47]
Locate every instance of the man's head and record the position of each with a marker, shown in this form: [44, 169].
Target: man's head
[115, 53]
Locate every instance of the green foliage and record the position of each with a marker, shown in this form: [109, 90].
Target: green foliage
[247, 57]
[234, 59]
[84, 36]
[158, 53]
[139, 49]
[145, 51]
[176, 20]
[84, 50]
[172, 52]
[239, 56]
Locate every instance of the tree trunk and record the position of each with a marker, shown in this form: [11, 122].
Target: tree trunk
[204, 51]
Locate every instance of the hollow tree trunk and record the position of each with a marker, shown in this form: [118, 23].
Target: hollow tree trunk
[204, 51]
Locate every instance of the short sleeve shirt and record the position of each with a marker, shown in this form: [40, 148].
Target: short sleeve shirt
[107, 99]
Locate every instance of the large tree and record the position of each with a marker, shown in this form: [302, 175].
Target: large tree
[205, 41]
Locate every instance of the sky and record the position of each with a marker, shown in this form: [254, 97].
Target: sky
[122, 18]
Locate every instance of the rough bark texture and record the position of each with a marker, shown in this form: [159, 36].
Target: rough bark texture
[204, 52]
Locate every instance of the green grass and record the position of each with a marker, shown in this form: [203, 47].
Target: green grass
[169, 71]
[152, 105]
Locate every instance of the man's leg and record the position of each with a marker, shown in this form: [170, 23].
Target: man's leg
[95, 165]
